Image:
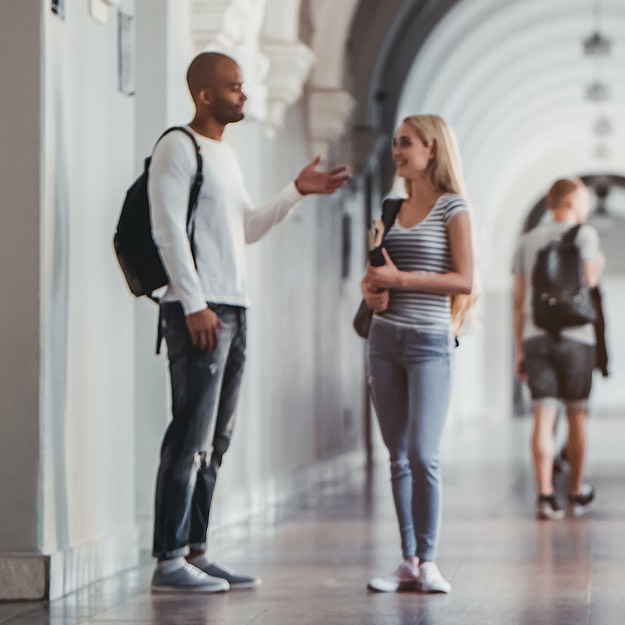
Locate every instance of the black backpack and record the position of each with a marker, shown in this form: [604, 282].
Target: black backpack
[561, 297]
[136, 251]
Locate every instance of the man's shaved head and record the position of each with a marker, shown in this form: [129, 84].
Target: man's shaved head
[205, 69]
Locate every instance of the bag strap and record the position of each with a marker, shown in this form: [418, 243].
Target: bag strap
[199, 178]
[390, 208]
[571, 234]
[193, 199]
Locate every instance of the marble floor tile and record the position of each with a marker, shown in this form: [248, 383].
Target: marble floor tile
[316, 554]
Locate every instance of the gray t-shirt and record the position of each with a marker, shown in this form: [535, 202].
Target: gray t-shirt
[531, 242]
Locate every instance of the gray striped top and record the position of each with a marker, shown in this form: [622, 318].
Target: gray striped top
[424, 247]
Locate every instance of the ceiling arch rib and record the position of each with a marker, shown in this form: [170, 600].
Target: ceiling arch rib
[478, 123]
[525, 108]
[528, 124]
[500, 203]
[497, 73]
[521, 179]
[514, 199]
[459, 87]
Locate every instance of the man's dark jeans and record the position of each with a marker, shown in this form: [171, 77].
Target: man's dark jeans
[205, 387]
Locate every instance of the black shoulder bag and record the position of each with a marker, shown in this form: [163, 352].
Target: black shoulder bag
[364, 314]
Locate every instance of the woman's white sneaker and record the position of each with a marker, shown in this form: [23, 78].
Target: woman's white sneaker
[431, 580]
[404, 577]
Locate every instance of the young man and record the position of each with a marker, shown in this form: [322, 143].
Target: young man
[557, 368]
[203, 315]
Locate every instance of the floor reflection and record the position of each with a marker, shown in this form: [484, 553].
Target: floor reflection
[316, 554]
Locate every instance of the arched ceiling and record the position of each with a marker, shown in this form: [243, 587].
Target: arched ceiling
[385, 39]
[510, 76]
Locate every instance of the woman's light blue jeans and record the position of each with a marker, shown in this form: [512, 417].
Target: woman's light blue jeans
[410, 383]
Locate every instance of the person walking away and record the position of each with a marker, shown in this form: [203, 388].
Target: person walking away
[557, 366]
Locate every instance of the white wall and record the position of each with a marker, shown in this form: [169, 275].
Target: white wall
[607, 394]
[163, 52]
[87, 316]
[85, 401]
[301, 396]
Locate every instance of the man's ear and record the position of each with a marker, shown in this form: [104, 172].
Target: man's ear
[204, 96]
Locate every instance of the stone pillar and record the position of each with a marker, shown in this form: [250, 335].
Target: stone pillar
[329, 111]
[22, 569]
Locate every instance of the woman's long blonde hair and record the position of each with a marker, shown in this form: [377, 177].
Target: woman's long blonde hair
[445, 172]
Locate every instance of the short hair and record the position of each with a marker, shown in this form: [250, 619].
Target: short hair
[203, 68]
[561, 189]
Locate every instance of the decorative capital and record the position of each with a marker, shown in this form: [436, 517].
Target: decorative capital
[290, 63]
[329, 110]
[220, 24]
[232, 27]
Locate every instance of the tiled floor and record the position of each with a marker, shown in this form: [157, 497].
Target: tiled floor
[316, 555]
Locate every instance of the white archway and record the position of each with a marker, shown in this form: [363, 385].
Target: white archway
[511, 77]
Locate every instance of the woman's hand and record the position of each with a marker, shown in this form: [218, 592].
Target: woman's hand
[377, 299]
[386, 276]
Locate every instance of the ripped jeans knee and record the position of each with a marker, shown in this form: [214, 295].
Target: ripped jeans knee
[400, 468]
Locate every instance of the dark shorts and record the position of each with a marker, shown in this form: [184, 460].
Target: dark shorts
[559, 369]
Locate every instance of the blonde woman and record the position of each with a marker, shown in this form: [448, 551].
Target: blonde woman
[421, 297]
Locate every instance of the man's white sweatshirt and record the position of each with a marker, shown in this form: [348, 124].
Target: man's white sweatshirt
[223, 221]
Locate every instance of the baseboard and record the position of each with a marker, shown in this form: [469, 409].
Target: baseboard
[237, 509]
[24, 576]
[48, 576]
[275, 492]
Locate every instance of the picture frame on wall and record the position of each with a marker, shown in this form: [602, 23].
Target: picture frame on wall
[125, 54]
[58, 8]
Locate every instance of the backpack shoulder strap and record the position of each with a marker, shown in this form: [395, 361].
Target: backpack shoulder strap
[193, 197]
[390, 208]
[199, 178]
[571, 234]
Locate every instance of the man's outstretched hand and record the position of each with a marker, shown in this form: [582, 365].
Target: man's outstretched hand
[311, 180]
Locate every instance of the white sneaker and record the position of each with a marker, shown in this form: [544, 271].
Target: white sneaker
[235, 580]
[187, 579]
[404, 577]
[431, 580]
[579, 505]
[547, 507]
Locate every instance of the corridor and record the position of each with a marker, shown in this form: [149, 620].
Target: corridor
[316, 554]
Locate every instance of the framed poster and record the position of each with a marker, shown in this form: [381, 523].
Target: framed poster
[58, 8]
[125, 54]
